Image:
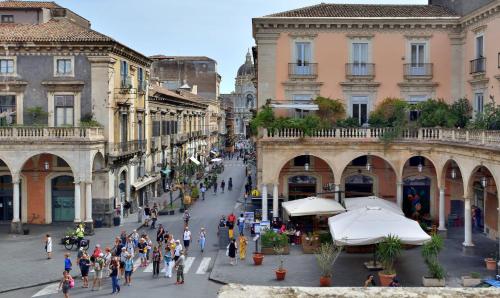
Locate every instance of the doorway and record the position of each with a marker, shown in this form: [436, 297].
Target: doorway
[6, 205]
[358, 186]
[63, 199]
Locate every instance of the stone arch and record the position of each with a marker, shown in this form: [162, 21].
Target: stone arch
[406, 158]
[471, 178]
[67, 158]
[100, 179]
[360, 154]
[6, 161]
[444, 172]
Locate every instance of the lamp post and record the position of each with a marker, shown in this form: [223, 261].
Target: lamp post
[484, 181]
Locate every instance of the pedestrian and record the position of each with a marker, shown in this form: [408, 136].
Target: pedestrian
[129, 269]
[114, 275]
[222, 185]
[369, 282]
[187, 239]
[186, 216]
[202, 240]
[160, 235]
[129, 247]
[156, 258]
[98, 265]
[66, 283]
[154, 216]
[177, 250]
[243, 241]
[123, 237]
[203, 190]
[84, 269]
[48, 246]
[122, 258]
[97, 251]
[231, 251]
[215, 187]
[79, 255]
[147, 215]
[135, 238]
[67, 262]
[117, 249]
[230, 229]
[142, 247]
[179, 266]
[107, 260]
[230, 184]
[241, 223]
[168, 261]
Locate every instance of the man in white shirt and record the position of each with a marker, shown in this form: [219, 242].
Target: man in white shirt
[178, 250]
[187, 239]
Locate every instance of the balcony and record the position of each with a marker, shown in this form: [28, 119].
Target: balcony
[419, 71]
[360, 71]
[302, 70]
[432, 135]
[126, 148]
[478, 66]
[51, 134]
[142, 86]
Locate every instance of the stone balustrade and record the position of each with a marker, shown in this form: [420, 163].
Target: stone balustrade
[463, 136]
[34, 133]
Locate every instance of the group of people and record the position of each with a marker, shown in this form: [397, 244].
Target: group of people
[117, 261]
[222, 186]
[234, 246]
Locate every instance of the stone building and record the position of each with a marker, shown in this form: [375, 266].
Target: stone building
[362, 54]
[72, 125]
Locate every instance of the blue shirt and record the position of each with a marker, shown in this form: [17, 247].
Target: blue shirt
[129, 265]
[67, 263]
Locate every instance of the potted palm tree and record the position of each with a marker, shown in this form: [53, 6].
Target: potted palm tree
[430, 252]
[326, 255]
[387, 251]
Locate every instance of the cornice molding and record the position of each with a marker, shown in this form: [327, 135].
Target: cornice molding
[480, 15]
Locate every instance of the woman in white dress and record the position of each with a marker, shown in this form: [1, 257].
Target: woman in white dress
[48, 246]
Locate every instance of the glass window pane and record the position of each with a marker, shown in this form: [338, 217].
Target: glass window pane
[59, 116]
[69, 116]
[364, 113]
[355, 111]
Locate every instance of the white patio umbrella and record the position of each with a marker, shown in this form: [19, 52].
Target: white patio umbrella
[370, 225]
[312, 206]
[373, 201]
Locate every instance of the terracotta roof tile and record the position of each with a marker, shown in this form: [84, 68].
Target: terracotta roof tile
[366, 11]
[56, 30]
[28, 4]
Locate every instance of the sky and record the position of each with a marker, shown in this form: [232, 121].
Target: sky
[219, 29]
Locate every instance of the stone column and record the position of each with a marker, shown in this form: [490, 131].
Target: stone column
[399, 194]
[467, 223]
[442, 215]
[88, 202]
[337, 193]
[16, 225]
[267, 66]
[264, 202]
[78, 202]
[275, 201]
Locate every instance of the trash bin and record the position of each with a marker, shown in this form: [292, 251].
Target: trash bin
[116, 221]
[139, 215]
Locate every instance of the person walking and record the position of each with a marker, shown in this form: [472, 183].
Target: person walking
[142, 247]
[203, 190]
[154, 216]
[156, 258]
[129, 269]
[231, 252]
[187, 239]
[84, 269]
[129, 247]
[241, 223]
[179, 266]
[215, 187]
[222, 185]
[48, 246]
[114, 275]
[107, 260]
[67, 262]
[243, 241]
[98, 265]
[202, 240]
[147, 215]
[160, 235]
[123, 258]
[66, 284]
[177, 250]
[186, 217]
[230, 184]
[168, 261]
[135, 238]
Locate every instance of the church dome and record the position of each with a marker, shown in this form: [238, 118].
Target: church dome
[247, 68]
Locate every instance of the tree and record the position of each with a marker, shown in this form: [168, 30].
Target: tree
[330, 110]
[462, 111]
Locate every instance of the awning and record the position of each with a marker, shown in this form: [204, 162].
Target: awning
[146, 181]
[372, 201]
[312, 206]
[194, 160]
[304, 107]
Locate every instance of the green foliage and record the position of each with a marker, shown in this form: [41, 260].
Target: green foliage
[264, 118]
[387, 252]
[330, 110]
[38, 115]
[325, 238]
[436, 113]
[326, 255]
[391, 112]
[462, 111]
[272, 239]
[475, 275]
[88, 120]
[348, 123]
[489, 119]
[195, 192]
[430, 252]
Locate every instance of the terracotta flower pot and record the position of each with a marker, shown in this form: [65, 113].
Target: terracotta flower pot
[280, 274]
[491, 264]
[257, 259]
[325, 281]
[385, 279]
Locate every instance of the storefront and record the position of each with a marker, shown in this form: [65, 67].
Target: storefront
[63, 199]
[6, 211]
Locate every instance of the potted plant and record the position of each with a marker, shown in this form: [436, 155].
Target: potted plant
[270, 239]
[471, 280]
[387, 251]
[310, 243]
[430, 252]
[491, 262]
[258, 257]
[195, 192]
[326, 255]
[280, 272]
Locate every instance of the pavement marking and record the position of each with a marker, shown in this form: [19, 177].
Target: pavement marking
[149, 268]
[48, 290]
[202, 269]
[188, 263]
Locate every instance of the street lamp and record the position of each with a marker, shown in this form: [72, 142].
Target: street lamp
[46, 165]
[368, 167]
[484, 181]
[306, 166]
[453, 173]
[420, 167]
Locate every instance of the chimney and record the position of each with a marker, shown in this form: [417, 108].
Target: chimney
[194, 90]
[185, 86]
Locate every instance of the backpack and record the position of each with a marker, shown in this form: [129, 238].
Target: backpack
[98, 265]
